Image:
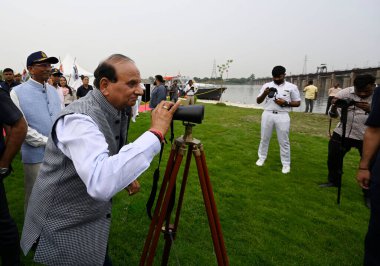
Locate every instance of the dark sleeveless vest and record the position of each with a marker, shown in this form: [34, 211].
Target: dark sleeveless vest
[72, 227]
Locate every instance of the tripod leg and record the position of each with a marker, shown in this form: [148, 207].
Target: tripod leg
[160, 211]
[212, 214]
[170, 236]
[169, 168]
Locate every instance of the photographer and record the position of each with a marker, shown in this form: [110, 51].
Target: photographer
[86, 164]
[279, 97]
[16, 127]
[190, 91]
[358, 103]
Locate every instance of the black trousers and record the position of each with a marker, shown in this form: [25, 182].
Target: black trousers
[329, 104]
[9, 238]
[372, 240]
[335, 155]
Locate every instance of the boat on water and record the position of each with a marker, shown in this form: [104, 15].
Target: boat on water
[205, 91]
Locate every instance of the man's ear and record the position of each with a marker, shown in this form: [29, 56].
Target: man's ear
[103, 84]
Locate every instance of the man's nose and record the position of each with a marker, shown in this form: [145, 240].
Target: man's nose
[139, 90]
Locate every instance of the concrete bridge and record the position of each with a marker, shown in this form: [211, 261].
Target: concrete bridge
[326, 80]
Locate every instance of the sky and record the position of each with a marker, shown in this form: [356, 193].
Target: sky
[171, 37]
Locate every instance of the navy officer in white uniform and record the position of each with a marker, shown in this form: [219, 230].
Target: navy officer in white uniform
[278, 97]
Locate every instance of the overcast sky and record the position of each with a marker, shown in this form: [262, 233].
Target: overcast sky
[185, 36]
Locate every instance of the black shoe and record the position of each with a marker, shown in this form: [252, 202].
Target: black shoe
[329, 184]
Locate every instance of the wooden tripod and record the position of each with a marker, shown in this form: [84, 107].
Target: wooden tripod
[163, 211]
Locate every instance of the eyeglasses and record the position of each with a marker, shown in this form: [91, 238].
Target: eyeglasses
[46, 65]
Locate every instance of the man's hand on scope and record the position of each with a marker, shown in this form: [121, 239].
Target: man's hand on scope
[162, 115]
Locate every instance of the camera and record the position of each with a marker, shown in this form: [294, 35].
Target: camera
[190, 113]
[272, 92]
[344, 103]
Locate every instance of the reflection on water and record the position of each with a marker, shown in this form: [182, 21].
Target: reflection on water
[247, 94]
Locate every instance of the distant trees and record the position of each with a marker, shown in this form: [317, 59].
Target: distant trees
[226, 81]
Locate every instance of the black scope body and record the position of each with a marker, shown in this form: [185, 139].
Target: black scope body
[190, 113]
[344, 102]
[272, 92]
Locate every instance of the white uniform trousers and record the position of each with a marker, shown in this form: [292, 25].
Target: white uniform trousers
[281, 121]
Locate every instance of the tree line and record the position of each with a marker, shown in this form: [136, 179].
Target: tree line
[231, 81]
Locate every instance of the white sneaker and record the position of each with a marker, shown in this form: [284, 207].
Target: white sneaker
[260, 162]
[133, 120]
[285, 169]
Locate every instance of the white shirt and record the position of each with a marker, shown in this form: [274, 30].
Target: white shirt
[80, 139]
[188, 90]
[287, 91]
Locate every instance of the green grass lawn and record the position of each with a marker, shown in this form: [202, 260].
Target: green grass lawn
[267, 218]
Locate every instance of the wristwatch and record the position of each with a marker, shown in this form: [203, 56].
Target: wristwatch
[3, 170]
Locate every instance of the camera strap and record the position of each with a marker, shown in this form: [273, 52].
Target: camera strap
[153, 192]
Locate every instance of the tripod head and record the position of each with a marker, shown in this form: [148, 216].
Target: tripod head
[188, 136]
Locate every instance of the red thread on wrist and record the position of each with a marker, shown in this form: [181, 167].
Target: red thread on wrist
[158, 134]
[362, 168]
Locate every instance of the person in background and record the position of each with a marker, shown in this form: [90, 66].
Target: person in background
[279, 96]
[55, 77]
[85, 88]
[68, 93]
[311, 93]
[87, 162]
[332, 92]
[158, 93]
[357, 115]
[10, 118]
[173, 92]
[368, 176]
[190, 91]
[18, 78]
[40, 104]
[9, 81]
[135, 108]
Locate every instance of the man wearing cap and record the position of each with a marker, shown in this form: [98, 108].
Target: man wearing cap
[9, 81]
[54, 77]
[40, 105]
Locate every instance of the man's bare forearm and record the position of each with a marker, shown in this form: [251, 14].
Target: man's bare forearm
[371, 145]
[15, 138]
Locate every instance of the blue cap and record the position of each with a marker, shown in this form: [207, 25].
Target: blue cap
[40, 57]
[56, 72]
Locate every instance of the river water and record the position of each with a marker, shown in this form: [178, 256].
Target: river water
[246, 94]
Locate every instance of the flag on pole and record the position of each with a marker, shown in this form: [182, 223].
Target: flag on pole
[75, 74]
[60, 65]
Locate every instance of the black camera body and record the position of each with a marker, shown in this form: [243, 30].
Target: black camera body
[344, 102]
[272, 92]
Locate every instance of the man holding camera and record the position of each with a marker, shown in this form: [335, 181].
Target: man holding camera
[190, 91]
[279, 96]
[357, 101]
[86, 164]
